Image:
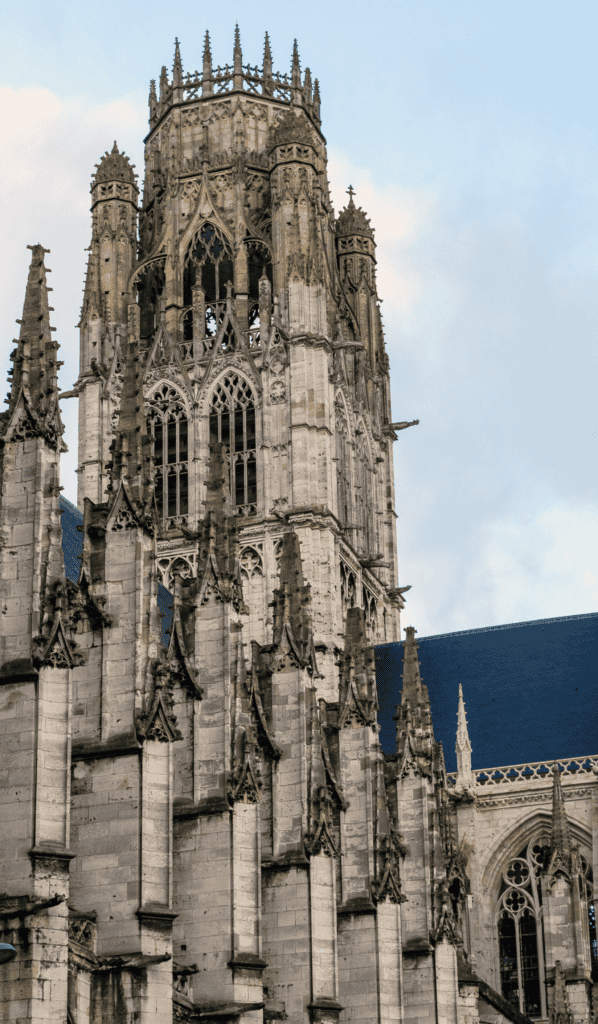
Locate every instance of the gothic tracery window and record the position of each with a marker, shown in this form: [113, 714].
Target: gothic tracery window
[208, 269]
[169, 430]
[232, 421]
[520, 931]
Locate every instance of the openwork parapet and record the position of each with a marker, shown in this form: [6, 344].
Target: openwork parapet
[532, 771]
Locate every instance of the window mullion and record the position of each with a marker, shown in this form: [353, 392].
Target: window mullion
[519, 970]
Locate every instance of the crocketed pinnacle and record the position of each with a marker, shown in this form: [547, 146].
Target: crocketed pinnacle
[560, 840]
[292, 603]
[296, 66]
[414, 718]
[207, 52]
[358, 664]
[177, 67]
[92, 293]
[114, 166]
[463, 742]
[267, 56]
[463, 749]
[238, 53]
[131, 460]
[218, 548]
[352, 220]
[35, 366]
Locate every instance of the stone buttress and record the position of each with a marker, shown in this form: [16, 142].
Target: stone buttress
[37, 652]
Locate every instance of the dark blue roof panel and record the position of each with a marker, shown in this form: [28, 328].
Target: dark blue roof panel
[530, 689]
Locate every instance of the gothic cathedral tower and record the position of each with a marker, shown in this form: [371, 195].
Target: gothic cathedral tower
[257, 320]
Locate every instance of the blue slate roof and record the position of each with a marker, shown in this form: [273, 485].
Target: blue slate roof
[530, 689]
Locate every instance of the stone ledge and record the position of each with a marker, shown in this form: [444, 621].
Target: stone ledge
[356, 905]
[287, 860]
[117, 746]
[19, 670]
[156, 914]
[247, 962]
[185, 809]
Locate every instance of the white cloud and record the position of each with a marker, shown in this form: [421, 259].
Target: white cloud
[49, 148]
[398, 216]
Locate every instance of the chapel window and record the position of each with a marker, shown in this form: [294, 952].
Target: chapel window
[169, 431]
[232, 421]
[520, 931]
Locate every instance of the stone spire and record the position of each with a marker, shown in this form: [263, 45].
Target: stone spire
[316, 101]
[33, 409]
[292, 605]
[218, 551]
[92, 293]
[358, 674]
[238, 61]
[131, 465]
[295, 75]
[177, 67]
[267, 62]
[463, 747]
[207, 82]
[559, 859]
[415, 733]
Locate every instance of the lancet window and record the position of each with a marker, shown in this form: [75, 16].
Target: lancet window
[343, 463]
[208, 269]
[232, 421]
[259, 261]
[520, 933]
[169, 430]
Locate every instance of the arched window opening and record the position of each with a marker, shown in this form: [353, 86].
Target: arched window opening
[258, 261]
[150, 286]
[209, 268]
[232, 421]
[343, 464]
[520, 931]
[169, 430]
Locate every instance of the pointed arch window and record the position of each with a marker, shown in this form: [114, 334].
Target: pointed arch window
[520, 931]
[169, 431]
[209, 267]
[232, 421]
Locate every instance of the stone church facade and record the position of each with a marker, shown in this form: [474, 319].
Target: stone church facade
[209, 830]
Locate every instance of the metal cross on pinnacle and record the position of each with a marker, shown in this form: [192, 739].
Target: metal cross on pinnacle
[350, 192]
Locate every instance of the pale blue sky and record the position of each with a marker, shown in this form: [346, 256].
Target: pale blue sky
[469, 133]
